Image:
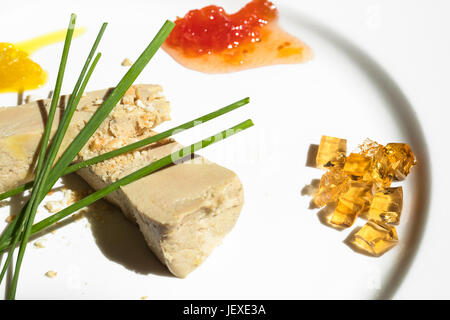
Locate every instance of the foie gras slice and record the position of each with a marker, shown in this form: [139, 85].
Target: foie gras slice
[184, 211]
[21, 127]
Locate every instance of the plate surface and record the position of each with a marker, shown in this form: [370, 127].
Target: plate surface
[278, 249]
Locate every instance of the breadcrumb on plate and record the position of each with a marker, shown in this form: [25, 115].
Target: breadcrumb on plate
[39, 244]
[126, 62]
[51, 274]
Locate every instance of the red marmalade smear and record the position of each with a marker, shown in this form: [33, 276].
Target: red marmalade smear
[210, 40]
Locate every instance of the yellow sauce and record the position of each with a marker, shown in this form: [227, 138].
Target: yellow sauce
[17, 71]
[30, 46]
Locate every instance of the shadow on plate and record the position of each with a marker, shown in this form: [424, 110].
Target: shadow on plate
[402, 111]
[118, 238]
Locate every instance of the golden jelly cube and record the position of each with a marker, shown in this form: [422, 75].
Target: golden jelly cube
[387, 205]
[375, 238]
[357, 164]
[351, 203]
[332, 184]
[331, 152]
[401, 159]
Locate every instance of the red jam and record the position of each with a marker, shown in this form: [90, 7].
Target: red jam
[210, 40]
[212, 30]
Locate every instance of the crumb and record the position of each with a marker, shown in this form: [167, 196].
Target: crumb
[54, 206]
[98, 101]
[53, 231]
[126, 62]
[51, 274]
[9, 218]
[79, 216]
[144, 298]
[38, 244]
[50, 192]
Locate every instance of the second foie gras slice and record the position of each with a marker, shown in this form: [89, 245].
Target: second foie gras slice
[183, 211]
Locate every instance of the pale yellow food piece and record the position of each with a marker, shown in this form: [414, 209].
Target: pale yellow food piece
[51, 274]
[126, 62]
[39, 244]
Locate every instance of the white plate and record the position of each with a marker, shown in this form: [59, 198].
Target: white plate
[278, 249]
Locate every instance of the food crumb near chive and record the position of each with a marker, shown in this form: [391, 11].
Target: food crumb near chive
[51, 274]
[126, 62]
